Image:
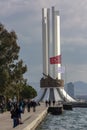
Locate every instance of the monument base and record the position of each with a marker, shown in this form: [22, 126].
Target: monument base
[50, 82]
[55, 110]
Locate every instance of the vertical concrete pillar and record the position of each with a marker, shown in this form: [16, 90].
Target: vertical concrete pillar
[57, 49]
[45, 39]
[56, 41]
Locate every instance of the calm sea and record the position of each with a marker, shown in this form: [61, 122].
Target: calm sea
[69, 120]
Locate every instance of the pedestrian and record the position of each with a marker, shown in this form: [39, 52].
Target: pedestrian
[49, 103]
[28, 105]
[46, 102]
[15, 115]
[33, 104]
[22, 105]
[53, 102]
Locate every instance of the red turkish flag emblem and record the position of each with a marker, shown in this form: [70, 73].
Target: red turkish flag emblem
[55, 60]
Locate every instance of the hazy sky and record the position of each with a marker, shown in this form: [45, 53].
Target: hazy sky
[24, 17]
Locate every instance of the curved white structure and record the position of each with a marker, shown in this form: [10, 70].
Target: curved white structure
[56, 95]
[53, 94]
[40, 95]
[46, 96]
[66, 95]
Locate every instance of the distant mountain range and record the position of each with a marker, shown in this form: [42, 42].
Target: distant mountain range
[80, 87]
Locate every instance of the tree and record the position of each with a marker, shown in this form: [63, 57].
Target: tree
[28, 92]
[17, 77]
[11, 68]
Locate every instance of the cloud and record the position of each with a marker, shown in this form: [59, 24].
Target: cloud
[24, 16]
[75, 73]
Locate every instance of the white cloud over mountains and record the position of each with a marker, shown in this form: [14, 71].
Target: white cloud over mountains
[24, 16]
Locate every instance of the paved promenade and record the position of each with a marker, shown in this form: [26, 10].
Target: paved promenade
[30, 119]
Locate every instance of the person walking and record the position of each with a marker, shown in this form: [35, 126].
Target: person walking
[15, 115]
[33, 104]
[46, 102]
[49, 103]
[28, 105]
[53, 102]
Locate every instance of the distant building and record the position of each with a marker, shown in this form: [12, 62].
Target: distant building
[70, 89]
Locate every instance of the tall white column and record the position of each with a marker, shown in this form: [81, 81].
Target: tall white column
[45, 39]
[58, 51]
[48, 17]
[53, 40]
[56, 41]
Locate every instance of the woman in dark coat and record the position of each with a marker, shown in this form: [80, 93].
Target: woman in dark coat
[15, 115]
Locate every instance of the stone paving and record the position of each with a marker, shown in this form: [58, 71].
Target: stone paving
[6, 123]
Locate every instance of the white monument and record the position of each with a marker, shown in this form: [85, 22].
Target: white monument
[52, 85]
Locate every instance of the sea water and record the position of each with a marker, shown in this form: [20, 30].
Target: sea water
[69, 120]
